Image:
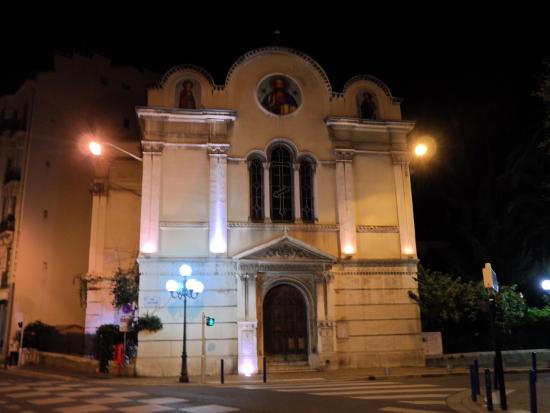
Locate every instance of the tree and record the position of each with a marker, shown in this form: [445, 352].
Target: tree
[445, 299]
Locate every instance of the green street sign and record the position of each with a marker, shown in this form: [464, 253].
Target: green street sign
[210, 321]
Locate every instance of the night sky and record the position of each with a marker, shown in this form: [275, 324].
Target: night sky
[467, 74]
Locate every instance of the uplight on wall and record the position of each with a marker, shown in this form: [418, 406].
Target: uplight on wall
[348, 250]
[148, 248]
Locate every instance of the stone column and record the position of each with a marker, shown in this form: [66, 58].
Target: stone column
[99, 309]
[247, 324]
[403, 196]
[97, 228]
[345, 198]
[218, 197]
[325, 320]
[150, 197]
[267, 194]
[297, 208]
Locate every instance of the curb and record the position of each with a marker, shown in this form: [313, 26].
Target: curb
[462, 402]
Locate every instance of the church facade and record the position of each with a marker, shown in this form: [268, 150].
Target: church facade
[292, 205]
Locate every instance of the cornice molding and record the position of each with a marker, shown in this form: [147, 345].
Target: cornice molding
[377, 228]
[352, 123]
[186, 115]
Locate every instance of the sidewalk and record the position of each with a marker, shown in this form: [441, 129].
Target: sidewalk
[273, 377]
[518, 400]
[517, 392]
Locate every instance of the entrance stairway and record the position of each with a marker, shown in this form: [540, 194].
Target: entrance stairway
[281, 366]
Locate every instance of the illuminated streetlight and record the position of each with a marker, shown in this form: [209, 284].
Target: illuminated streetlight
[545, 284]
[420, 149]
[191, 289]
[96, 148]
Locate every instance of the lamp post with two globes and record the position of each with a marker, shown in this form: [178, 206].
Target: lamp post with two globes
[189, 289]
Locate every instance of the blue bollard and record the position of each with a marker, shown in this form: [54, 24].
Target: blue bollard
[473, 383]
[265, 369]
[488, 390]
[476, 377]
[533, 391]
[534, 363]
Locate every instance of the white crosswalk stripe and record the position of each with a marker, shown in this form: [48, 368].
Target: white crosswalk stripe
[84, 397]
[418, 394]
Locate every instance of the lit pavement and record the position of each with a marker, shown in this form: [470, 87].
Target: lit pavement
[79, 395]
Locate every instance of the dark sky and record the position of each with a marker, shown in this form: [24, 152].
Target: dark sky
[472, 58]
[421, 52]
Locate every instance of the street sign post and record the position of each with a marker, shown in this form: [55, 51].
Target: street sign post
[490, 282]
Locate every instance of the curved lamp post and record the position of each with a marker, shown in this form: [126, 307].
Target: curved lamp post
[96, 148]
[190, 289]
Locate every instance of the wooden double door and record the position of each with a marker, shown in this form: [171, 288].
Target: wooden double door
[285, 324]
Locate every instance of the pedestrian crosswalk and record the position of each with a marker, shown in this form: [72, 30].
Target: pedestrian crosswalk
[59, 396]
[415, 395]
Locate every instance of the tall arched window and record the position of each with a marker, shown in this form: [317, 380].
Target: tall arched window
[256, 172]
[281, 185]
[306, 191]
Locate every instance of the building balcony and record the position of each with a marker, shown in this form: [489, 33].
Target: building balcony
[12, 174]
[8, 224]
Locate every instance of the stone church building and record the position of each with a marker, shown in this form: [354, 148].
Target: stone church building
[292, 204]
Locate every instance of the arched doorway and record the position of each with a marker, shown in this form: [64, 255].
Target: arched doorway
[285, 324]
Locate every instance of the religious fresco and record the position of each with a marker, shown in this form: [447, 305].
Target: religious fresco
[189, 94]
[279, 95]
[367, 105]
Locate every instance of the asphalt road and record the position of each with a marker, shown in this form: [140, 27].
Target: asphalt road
[418, 395]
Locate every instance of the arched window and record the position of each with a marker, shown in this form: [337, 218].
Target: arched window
[306, 191]
[281, 185]
[256, 172]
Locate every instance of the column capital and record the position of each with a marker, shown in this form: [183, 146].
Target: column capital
[218, 148]
[400, 158]
[245, 276]
[344, 154]
[98, 186]
[326, 276]
[153, 147]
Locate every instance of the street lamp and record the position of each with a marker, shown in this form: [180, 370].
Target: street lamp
[190, 289]
[96, 148]
[420, 149]
[545, 284]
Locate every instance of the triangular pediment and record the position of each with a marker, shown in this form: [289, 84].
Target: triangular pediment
[285, 248]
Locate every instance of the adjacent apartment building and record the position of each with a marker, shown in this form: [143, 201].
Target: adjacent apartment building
[47, 177]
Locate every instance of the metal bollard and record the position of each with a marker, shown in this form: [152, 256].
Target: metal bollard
[495, 371]
[476, 377]
[533, 390]
[501, 383]
[534, 363]
[473, 383]
[488, 390]
[265, 369]
[222, 378]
